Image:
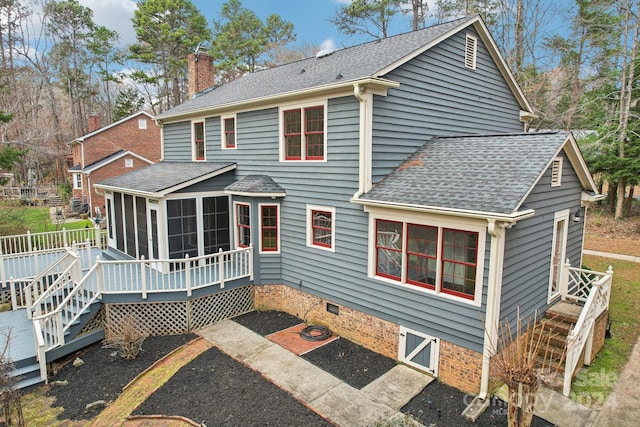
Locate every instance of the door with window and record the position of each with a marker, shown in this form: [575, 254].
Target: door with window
[558, 252]
[111, 225]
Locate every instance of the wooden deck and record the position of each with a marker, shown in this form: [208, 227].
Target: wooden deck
[21, 344]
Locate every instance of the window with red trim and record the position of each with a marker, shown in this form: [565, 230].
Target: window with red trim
[243, 225]
[322, 228]
[442, 259]
[230, 132]
[198, 140]
[304, 133]
[269, 228]
[459, 262]
[422, 255]
[389, 249]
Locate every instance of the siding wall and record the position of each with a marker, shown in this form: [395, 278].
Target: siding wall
[427, 103]
[438, 96]
[527, 263]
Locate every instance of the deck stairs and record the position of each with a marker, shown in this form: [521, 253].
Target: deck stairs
[27, 370]
[62, 308]
[555, 326]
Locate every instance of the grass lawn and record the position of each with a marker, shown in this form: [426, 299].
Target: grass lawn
[592, 386]
[36, 219]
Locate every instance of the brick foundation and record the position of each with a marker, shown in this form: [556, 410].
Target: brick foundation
[368, 331]
[458, 367]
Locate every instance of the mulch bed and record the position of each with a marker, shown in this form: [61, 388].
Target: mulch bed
[216, 390]
[104, 374]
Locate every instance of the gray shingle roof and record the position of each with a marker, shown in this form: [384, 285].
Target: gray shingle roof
[164, 175]
[256, 184]
[353, 63]
[491, 173]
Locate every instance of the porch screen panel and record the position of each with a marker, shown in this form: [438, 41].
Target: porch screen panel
[141, 217]
[182, 228]
[215, 220]
[117, 203]
[130, 225]
[154, 233]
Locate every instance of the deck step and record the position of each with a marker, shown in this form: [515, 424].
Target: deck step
[564, 311]
[27, 376]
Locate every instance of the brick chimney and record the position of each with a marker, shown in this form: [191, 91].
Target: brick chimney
[94, 122]
[201, 71]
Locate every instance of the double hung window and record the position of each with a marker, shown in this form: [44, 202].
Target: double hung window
[198, 141]
[229, 132]
[243, 225]
[269, 225]
[304, 133]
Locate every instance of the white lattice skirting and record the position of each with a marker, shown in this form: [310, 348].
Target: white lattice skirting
[172, 318]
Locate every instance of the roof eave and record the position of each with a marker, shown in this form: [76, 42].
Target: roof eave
[127, 191]
[255, 194]
[509, 218]
[372, 84]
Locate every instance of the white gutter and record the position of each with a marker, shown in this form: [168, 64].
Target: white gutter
[494, 291]
[358, 92]
[509, 218]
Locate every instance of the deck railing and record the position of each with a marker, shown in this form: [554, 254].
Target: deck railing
[24, 295]
[20, 255]
[594, 289]
[71, 293]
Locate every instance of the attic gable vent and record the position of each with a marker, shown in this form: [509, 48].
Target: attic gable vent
[471, 48]
[556, 172]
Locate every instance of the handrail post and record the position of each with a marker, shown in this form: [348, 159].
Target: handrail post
[14, 298]
[59, 329]
[2, 272]
[29, 244]
[564, 280]
[221, 267]
[143, 278]
[187, 272]
[64, 237]
[100, 275]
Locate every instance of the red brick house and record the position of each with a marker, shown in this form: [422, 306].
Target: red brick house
[123, 146]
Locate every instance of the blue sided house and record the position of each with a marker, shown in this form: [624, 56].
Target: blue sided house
[388, 190]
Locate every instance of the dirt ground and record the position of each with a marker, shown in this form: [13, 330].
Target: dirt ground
[603, 233]
[216, 390]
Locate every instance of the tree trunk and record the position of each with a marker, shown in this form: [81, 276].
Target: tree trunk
[528, 403]
[611, 193]
[627, 209]
[512, 408]
[622, 186]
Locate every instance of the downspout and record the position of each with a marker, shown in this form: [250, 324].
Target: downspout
[90, 198]
[494, 291]
[358, 92]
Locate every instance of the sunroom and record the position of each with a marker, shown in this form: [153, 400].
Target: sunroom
[170, 210]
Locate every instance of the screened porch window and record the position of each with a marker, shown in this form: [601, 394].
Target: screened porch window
[182, 228]
[215, 222]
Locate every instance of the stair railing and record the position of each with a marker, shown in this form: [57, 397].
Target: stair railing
[56, 322]
[50, 299]
[580, 337]
[39, 284]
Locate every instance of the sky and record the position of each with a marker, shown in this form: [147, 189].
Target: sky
[309, 17]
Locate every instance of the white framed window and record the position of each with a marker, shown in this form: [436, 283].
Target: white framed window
[128, 163]
[321, 227]
[427, 253]
[228, 134]
[242, 224]
[303, 132]
[470, 51]
[142, 123]
[269, 228]
[198, 139]
[556, 172]
[77, 181]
